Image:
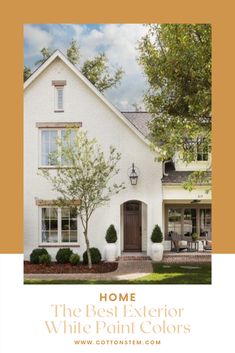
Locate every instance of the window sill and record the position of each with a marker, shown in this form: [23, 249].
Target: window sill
[56, 245]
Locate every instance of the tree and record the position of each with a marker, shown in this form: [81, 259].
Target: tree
[73, 52]
[46, 53]
[97, 72]
[27, 72]
[86, 177]
[176, 59]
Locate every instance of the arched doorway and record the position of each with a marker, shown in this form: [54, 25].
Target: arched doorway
[132, 217]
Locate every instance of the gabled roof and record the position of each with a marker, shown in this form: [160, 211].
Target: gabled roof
[140, 120]
[58, 54]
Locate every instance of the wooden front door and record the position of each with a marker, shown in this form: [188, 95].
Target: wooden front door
[132, 226]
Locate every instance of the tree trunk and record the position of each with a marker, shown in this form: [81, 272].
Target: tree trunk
[87, 246]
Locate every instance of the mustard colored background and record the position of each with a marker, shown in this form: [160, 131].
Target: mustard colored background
[15, 14]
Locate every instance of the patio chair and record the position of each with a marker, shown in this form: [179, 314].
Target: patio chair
[177, 243]
[207, 246]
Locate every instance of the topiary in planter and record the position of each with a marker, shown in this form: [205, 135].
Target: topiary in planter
[95, 256]
[157, 236]
[111, 234]
[195, 236]
[45, 259]
[36, 253]
[63, 255]
[74, 259]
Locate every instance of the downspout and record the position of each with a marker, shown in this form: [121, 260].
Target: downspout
[164, 167]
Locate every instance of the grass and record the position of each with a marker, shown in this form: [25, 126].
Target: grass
[162, 274]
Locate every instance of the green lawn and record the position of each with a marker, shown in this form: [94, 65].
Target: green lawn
[162, 274]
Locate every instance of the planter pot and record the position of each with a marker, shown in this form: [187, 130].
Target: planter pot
[110, 252]
[157, 252]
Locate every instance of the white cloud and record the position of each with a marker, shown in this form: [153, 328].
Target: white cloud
[36, 38]
[118, 41]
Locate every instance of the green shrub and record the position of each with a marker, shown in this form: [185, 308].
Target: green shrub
[74, 259]
[63, 255]
[45, 259]
[195, 236]
[95, 256]
[111, 234]
[36, 253]
[157, 236]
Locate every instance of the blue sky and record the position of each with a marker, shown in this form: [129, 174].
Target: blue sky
[118, 41]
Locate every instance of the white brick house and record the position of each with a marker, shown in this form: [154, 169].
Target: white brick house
[57, 95]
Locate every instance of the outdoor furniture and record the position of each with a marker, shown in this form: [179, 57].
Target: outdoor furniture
[193, 245]
[177, 243]
[207, 246]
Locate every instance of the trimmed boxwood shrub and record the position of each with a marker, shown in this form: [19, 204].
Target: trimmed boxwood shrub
[156, 236]
[95, 256]
[45, 259]
[63, 255]
[111, 234]
[36, 253]
[74, 259]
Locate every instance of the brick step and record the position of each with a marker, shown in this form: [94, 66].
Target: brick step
[134, 258]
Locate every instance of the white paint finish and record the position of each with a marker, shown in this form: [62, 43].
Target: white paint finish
[177, 192]
[193, 166]
[81, 104]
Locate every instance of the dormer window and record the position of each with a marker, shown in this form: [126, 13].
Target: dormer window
[202, 152]
[59, 95]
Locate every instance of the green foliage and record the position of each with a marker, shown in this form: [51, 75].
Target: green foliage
[27, 73]
[45, 259]
[95, 256]
[63, 255]
[176, 59]
[157, 236]
[35, 255]
[87, 177]
[195, 236]
[111, 234]
[199, 177]
[73, 53]
[97, 72]
[46, 53]
[74, 259]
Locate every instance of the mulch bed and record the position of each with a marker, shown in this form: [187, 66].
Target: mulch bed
[102, 267]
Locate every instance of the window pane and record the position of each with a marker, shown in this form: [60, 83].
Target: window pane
[174, 220]
[65, 236]
[48, 141]
[190, 221]
[59, 98]
[73, 224]
[54, 213]
[53, 237]
[54, 224]
[49, 225]
[73, 236]
[205, 222]
[65, 212]
[65, 224]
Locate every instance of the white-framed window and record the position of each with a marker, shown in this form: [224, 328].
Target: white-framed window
[48, 145]
[198, 148]
[59, 98]
[58, 225]
[202, 152]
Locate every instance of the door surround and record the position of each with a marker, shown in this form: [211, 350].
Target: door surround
[132, 226]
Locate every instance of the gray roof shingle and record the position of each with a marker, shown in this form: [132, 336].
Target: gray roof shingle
[177, 177]
[140, 121]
